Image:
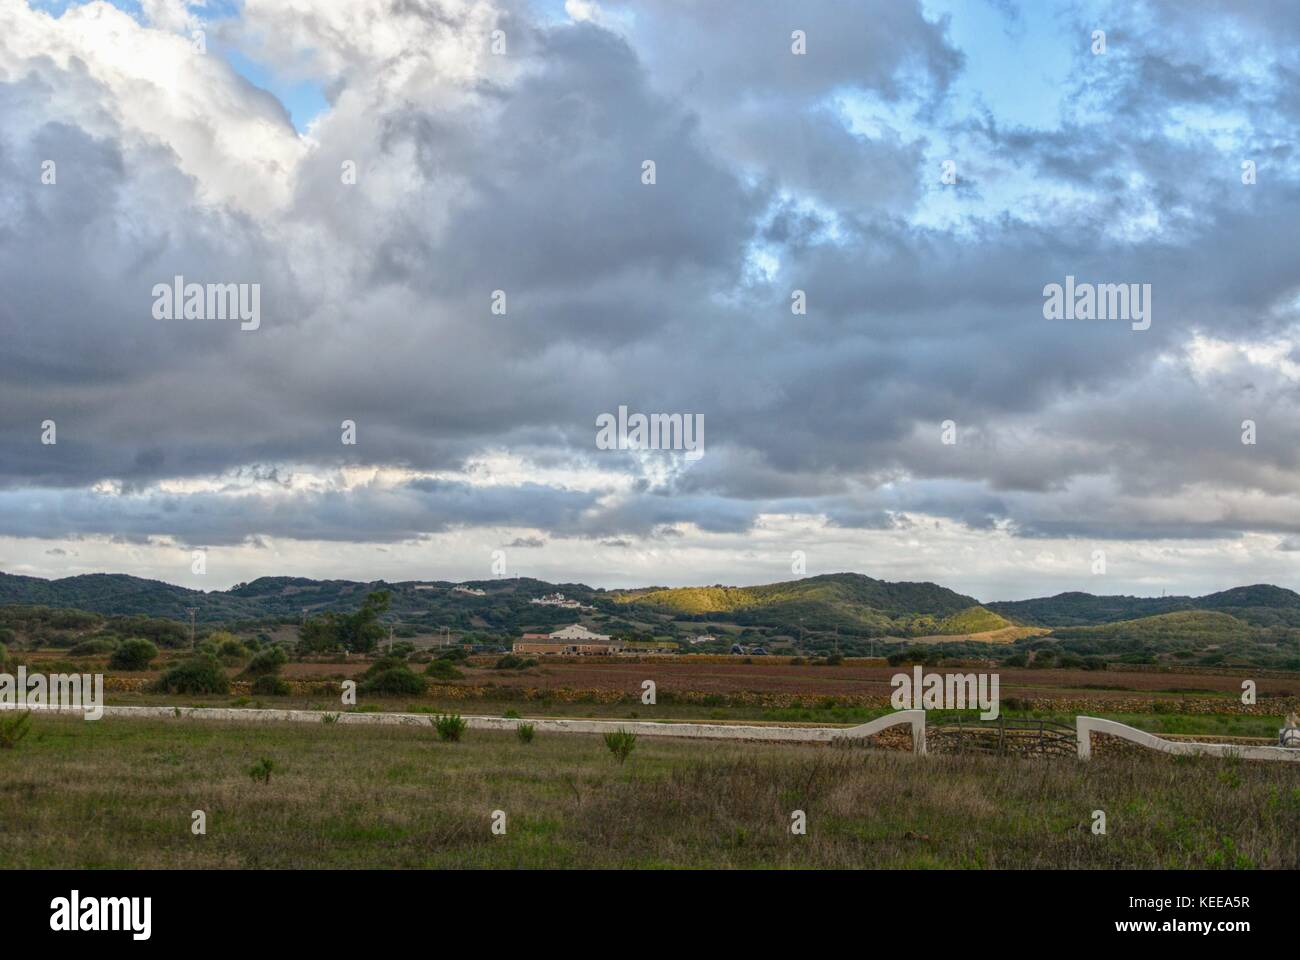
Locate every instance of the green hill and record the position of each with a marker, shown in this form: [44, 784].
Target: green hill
[1261, 605]
[1185, 625]
[972, 620]
[845, 601]
[821, 609]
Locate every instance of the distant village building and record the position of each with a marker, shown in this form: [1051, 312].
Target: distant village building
[575, 640]
[702, 638]
[472, 591]
[556, 600]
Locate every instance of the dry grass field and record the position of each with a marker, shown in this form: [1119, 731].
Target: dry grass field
[121, 793]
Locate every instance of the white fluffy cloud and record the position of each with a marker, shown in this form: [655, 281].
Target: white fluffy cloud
[520, 171]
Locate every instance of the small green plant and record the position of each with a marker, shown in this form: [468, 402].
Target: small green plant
[449, 727]
[525, 732]
[512, 662]
[14, 728]
[269, 685]
[329, 718]
[443, 670]
[262, 770]
[201, 674]
[511, 714]
[395, 680]
[91, 647]
[266, 662]
[133, 654]
[620, 743]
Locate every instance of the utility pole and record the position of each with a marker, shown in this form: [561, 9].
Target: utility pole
[193, 613]
[390, 639]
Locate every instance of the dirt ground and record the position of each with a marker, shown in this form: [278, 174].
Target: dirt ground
[823, 681]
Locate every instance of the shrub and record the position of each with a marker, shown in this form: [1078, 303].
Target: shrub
[199, 674]
[13, 728]
[449, 727]
[231, 649]
[443, 670]
[620, 743]
[395, 680]
[525, 732]
[454, 653]
[384, 664]
[133, 654]
[262, 770]
[329, 718]
[269, 685]
[92, 647]
[919, 655]
[266, 662]
[512, 662]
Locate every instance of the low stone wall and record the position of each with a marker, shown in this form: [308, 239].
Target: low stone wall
[1090, 727]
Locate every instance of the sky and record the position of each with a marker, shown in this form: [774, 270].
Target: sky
[840, 268]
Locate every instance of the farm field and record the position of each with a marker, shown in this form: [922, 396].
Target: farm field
[121, 793]
[1198, 702]
[736, 676]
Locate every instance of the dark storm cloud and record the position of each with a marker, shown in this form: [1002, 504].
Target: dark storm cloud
[376, 296]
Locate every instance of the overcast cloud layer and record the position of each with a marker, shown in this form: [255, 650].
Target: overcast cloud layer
[479, 171]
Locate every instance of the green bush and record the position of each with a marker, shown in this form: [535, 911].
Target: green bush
[525, 732]
[917, 655]
[454, 653]
[384, 664]
[133, 654]
[266, 662]
[93, 647]
[395, 680]
[620, 743]
[269, 685]
[13, 727]
[231, 649]
[262, 770]
[443, 670]
[449, 727]
[512, 662]
[201, 674]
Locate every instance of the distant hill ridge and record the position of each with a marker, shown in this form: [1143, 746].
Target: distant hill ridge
[842, 601]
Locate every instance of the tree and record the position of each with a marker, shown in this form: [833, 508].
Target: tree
[359, 632]
[356, 632]
[319, 634]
